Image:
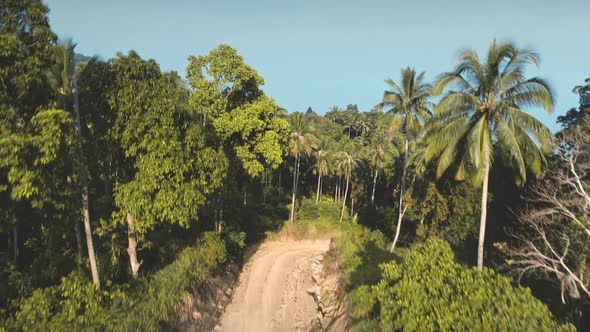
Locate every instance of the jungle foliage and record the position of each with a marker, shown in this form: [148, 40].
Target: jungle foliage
[123, 186]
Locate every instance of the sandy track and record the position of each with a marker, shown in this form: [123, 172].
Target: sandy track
[272, 293]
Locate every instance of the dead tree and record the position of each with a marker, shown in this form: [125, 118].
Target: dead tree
[556, 223]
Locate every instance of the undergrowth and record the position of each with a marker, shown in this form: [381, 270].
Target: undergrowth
[147, 305]
[420, 288]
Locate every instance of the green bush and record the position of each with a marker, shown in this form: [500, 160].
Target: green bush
[330, 209]
[326, 208]
[361, 251]
[423, 288]
[426, 290]
[315, 220]
[74, 304]
[308, 209]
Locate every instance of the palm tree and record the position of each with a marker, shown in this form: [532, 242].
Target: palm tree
[65, 73]
[337, 173]
[347, 162]
[482, 115]
[302, 141]
[322, 163]
[381, 152]
[410, 106]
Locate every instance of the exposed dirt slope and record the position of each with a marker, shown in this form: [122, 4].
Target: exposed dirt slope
[272, 294]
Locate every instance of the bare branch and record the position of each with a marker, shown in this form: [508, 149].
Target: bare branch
[559, 208]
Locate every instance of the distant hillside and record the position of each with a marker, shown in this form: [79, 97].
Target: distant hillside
[81, 57]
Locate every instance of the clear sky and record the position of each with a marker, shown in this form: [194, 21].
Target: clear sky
[321, 53]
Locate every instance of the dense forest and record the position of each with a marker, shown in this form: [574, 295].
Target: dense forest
[123, 186]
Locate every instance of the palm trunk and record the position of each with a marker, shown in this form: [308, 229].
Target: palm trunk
[9, 241]
[298, 173]
[338, 189]
[374, 185]
[401, 210]
[78, 239]
[89, 241]
[295, 167]
[344, 200]
[77, 230]
[15, 236]
[14, 233]
[84, 187]
[280, 189]
[484, 211]
[132, 248]
[317, 196]
[340, 184]
[264, 186]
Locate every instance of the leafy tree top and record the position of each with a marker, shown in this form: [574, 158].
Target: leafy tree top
[302, 140]
[426, 290]
[26, 41]
[173, 171]
[482, 112]
[408, 102]
[226, 94]
[221, 81]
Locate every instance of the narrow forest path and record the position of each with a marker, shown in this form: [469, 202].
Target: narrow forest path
[272, 291]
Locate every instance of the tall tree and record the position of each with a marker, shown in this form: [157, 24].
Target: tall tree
[26, 41]
[94, 82]
[68, 89]
[227, 94]
[347, 118]
[576, 115]
[347, 162]
[410, 106]
[554, 238]
[171, 171]
[381, 153]
[301, 143]
[322, 162]
[482, 116]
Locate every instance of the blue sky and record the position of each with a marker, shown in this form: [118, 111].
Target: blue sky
[321, 53]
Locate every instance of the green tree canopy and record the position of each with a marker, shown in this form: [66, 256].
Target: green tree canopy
[173, 171]
[426, 290]
[26, 41]
[226, 94]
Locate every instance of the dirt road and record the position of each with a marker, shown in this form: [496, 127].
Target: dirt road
[272, 293]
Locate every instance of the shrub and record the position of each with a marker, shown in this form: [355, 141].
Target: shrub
[361, 251]
[315, 220]
[426, 290]
[74, 304]
[330, 209]
[308, 210]
[326, 208]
